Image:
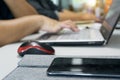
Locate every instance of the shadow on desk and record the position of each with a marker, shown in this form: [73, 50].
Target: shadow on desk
[114, 42]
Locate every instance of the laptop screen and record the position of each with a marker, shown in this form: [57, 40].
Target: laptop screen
[110, 21]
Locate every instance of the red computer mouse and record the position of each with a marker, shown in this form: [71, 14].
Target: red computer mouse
[34, 47]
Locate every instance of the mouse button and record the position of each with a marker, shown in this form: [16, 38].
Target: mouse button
[34, 43]
[23, 48]
[40, 52]
[34, 51]
[27, 43]
[46, 46]
[45, 50]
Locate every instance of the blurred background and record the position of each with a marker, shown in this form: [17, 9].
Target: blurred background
[98, 7]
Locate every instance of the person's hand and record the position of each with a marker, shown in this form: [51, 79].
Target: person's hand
[87, 16]
[54, 26]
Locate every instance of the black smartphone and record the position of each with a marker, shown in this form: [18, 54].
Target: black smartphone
[89, 67]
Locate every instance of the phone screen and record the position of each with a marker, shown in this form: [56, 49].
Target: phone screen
[85, 67]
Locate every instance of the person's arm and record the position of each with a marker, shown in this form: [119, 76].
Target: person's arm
[20, 8]
[14, 30]
[75, 16]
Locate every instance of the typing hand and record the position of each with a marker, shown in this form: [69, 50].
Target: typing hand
[54, 26]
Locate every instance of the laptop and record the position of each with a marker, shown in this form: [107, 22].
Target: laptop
[86, 36]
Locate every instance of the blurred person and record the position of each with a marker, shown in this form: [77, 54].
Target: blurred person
[44, 7]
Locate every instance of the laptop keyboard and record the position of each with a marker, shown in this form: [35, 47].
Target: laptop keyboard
[83, 34]
[67, 35]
